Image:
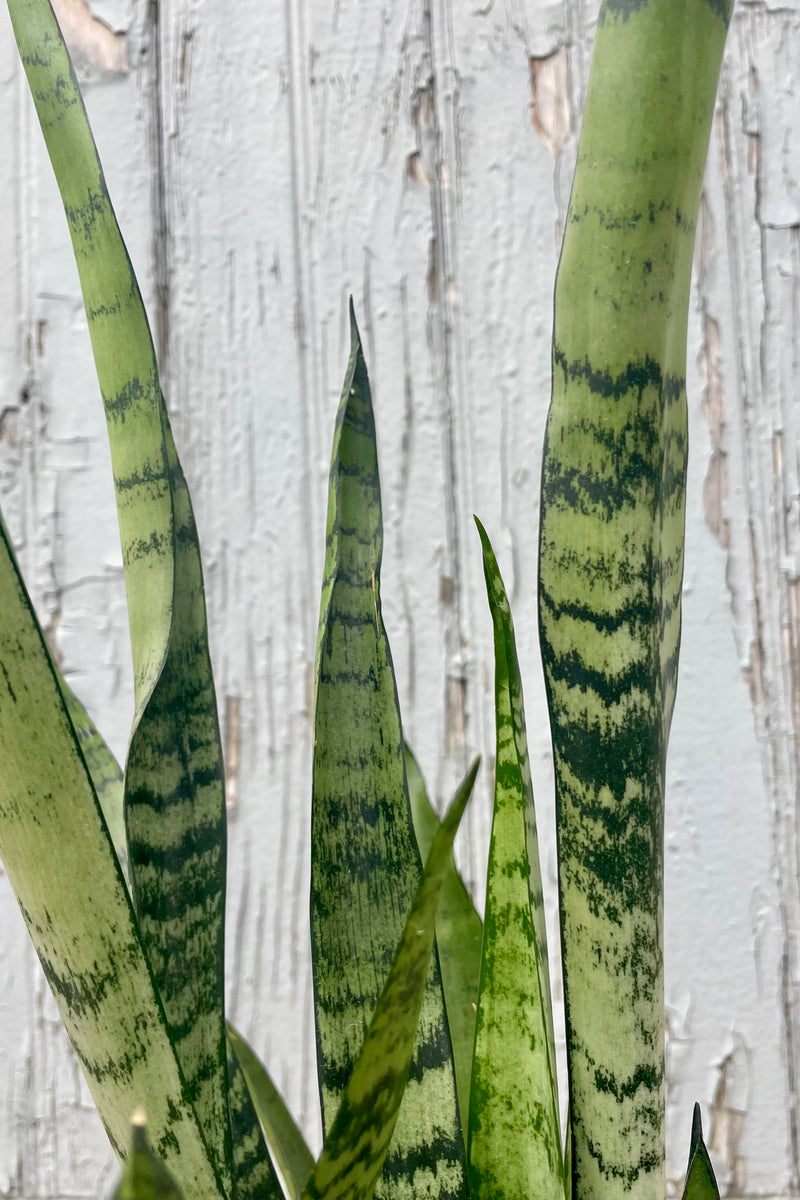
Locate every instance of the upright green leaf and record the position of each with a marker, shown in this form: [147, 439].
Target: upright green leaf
[145, 1177]
[175, 810]
[285, 1139]
[365, 867]
[459, 931]
[356, 1145]
[61, 864]
[514, 1133]
[611, 560]
[701, 1182]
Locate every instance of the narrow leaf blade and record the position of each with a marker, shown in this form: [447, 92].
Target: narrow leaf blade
[174, 791]
[285, 1140]
[514, 1133]
[91, 953]
[254, 1174]
[365, 867]
[701, 1182]
[359, 1138]
[459, 933]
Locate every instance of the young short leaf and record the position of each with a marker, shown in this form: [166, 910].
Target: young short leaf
[701, 1182]
[514, 1133]
[459, 931]
[145, 1177]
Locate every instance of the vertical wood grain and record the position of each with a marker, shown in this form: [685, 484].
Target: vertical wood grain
[265, 162]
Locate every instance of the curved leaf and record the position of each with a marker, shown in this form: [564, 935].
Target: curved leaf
[253, 1172]
[459, 932]
[285, 1140]
[514, 1133]
[59, 859]
[365, 867]
[611, 560]
[359, 1138]
[174, 792]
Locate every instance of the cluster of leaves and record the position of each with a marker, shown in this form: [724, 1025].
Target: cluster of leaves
[435, 1046]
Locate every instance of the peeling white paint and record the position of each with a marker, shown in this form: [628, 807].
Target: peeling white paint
[262, 170]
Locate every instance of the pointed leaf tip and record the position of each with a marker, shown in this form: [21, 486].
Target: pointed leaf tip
[701, 1182]
[144, 1176]
[354, 333]
[514, 1132]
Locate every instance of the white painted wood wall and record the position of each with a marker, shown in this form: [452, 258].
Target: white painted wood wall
[265, 161]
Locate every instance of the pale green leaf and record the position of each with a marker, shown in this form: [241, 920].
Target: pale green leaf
[104, 771]
[61, 864]
[174, 792]
[611, 560]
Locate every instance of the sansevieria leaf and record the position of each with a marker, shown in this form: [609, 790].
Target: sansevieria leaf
[356, 1144]
[145, 1177]
[459, 932]
[285, 1139]
[365, 866]
[611, 560]
[174, 793]
[514, 1133]
[253, 1173]
[104, 772]
[61, 864]
[701, 1182]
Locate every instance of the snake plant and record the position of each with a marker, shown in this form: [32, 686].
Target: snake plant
[435, 1046]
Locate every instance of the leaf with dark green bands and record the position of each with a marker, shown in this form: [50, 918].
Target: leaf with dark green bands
[295, 1160]
[81, 920]
[174, 779]
[359, 1138]
[365, 866]
[514, 1131]
[459, 932]
[612, 522]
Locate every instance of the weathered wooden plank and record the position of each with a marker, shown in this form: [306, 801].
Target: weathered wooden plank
[264, 165]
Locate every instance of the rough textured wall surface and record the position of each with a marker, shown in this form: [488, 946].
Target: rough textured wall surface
[265, 161]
